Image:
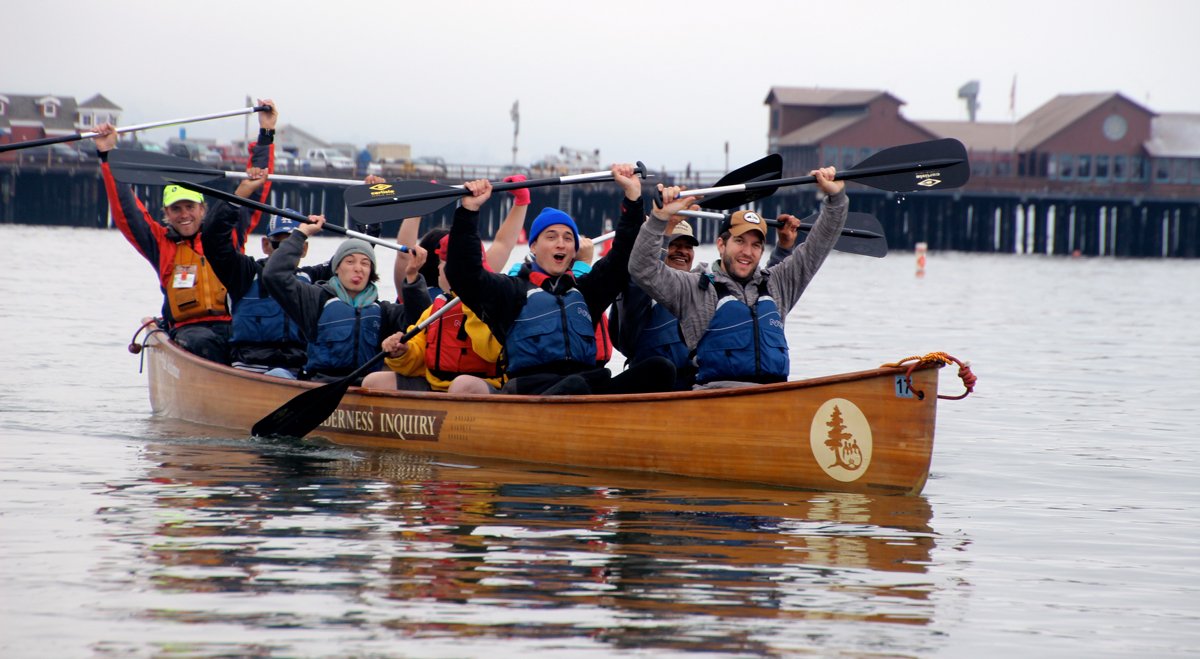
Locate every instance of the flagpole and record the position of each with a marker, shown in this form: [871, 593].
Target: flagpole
[515, 113]
[1012, 117]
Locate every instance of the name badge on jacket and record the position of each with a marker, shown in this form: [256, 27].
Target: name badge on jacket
[185, 276]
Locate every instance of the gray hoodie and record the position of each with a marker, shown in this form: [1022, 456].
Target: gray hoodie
[694, 306]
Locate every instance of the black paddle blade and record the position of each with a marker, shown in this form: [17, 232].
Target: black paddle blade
[302, 414]
[144, 167]
[769, 168]
[862, 234]
[922, 166]
[383, 202]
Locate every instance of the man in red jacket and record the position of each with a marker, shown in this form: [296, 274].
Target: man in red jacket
[194, 308]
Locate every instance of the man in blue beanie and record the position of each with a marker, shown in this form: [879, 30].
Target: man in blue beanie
[544, 316]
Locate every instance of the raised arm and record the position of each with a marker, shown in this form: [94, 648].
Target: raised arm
[235, 269]
[506, 236]
[496, 298]
[789, 279]
[129, 215]
[407, 235]
[300, 300]
[670, 287]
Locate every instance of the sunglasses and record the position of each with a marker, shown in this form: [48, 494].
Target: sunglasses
[276, 243]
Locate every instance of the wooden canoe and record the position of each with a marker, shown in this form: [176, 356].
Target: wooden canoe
[854, 432]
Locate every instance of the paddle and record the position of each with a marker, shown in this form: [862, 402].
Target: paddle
[905, 168]
[257, 205]
[302, 414]
[371, 204]
[154, 124]
[769, 168]
[862, 233]
[149, 168]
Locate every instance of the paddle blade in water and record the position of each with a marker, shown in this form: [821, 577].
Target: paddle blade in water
[302, 414]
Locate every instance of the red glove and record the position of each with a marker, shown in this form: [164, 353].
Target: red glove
[520, 195]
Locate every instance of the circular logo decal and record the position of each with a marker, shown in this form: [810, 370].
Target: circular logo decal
[841, 440]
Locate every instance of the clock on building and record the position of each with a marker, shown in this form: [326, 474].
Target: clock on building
[1114, 127]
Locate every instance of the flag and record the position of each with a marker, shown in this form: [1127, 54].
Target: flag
[515, 113]
[1012, 97]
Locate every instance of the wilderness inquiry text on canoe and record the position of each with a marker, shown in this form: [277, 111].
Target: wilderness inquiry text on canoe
[408, 425]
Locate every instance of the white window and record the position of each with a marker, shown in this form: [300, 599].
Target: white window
[85, 119]
[49, 110]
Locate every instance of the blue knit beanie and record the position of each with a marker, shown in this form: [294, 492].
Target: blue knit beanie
[549, 217]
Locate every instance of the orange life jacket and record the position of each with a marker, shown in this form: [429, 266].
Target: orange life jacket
[194, 293]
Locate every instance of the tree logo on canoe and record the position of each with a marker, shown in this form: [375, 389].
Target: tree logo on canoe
[841, 440]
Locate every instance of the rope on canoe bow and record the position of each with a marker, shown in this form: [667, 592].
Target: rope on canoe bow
[964, 372]
[136, 347]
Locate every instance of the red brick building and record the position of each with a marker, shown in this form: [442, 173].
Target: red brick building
[1101, 144]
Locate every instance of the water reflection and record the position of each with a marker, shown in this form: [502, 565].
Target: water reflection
[386, 541]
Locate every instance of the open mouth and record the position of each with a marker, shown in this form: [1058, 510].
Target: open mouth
[560, 258]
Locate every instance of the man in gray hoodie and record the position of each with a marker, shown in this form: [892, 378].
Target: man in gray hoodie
[732, 315]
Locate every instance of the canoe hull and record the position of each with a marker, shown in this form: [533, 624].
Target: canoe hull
[854, 432]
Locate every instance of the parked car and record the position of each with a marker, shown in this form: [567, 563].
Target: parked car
[194, 151]
[325, 159]
[141, 145]
[233, 155]
[395, 168]
[429, 166]
[286, 162]
[53, 154]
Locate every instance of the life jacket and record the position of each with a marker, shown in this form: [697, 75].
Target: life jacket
[259, 320]
[552, 327]
[448, 350]
[604, 344]
[660, 337]
[743, 343]
[193, 291]
[347, 337]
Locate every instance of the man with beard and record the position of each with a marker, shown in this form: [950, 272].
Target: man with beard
[732, 315]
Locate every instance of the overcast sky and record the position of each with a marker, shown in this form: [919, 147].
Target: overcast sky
[664, 82]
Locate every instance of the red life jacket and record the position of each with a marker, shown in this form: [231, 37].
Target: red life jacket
[448, 350]
[604, 344]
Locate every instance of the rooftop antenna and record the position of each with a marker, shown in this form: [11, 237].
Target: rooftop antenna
[970, 93]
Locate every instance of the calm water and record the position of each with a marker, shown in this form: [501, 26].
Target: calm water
[1060, 518]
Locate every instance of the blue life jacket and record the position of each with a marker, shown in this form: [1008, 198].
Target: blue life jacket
[346, 338]
[742, 343]
[259, 320]
[660, 337]
[551, 328]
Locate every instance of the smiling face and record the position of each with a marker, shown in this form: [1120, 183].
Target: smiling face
[740, 254]
[680, 254]
[354, 272]
[184, 216]
[554, 249]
